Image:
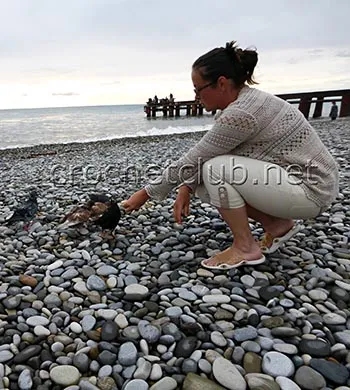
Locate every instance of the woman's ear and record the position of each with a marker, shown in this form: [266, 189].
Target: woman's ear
[223, 83]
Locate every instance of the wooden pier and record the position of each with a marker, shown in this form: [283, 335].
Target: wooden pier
[189, 107]
[304, 99]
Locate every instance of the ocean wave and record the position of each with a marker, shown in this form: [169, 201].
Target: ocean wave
[154, 131]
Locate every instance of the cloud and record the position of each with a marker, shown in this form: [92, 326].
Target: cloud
[293, 61]
[343, 54]
[65, 94]
[315, 51]
[122, 50]
[111, 83]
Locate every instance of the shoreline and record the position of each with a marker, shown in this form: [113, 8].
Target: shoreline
[73, 146]
[127, 139]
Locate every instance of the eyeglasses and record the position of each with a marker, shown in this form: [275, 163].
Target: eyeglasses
[198, 90]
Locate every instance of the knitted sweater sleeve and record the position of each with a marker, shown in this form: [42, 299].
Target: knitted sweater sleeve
[231, 128]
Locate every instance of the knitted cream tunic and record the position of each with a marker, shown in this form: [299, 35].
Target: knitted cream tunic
[263, 127]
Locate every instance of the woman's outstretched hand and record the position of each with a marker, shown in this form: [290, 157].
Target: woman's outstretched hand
[182, 203]
[136, 200]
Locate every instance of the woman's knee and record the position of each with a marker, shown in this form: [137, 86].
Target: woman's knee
[213, 162]
[225, 169]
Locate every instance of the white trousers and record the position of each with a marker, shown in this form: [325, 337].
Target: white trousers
[234, 181]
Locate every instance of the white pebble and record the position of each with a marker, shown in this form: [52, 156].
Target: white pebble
[76, 328]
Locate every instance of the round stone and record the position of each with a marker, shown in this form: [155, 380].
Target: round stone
[308, 378]
[189, 365]
[109, 331]
[218, 339]
[251, 346]
[65, 375]
[127, 354]
[343, 337]
[334, 319]
[149, 332]
[136, 384]
[216, 298]
[88, 322]
[185, 347]
[338, 294]
[228, 375]
[283, 331]
[204, 366]
[252, 363]
[156, 372]
[242, 334]
[75, 327]
[94, 282]
[277, 364]
[137, 291]
[57, 347]
[106, 270]
[27, 353]
[188, 295]
[317, 348]
[25, 380]
[37, 320]
[317, 295]
[5, 355]
[287, 303]
[121, 321]
[258, 381]
[40, 330]
[269, 292]
[200, 290]
[273, 322]
[286, 383]
[342, 284]
[173, 311]
[288, 349]
[335, 372]
[166, 383]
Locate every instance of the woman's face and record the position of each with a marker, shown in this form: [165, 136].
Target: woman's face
[216, 95]
[205, 91]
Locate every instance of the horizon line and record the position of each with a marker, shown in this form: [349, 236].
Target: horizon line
[136, 104]
[87, 105]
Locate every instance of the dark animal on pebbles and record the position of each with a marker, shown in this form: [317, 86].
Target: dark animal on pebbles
[26, 211]
[100, 210]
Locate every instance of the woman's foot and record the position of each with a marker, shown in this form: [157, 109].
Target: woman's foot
[279, 228]
[233, 256]
[278, 235]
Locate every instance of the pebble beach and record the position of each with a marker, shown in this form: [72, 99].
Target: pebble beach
[137, 312]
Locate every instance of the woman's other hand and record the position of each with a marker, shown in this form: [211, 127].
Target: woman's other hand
[182, 203]
[136, 200]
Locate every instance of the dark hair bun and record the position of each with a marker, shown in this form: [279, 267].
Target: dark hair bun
[230, 61]
[232, 50]
[247, 58]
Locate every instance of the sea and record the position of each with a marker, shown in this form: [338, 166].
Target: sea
[37, 126]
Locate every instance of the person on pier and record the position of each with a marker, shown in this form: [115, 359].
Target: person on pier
[261, 159]
[334, 111]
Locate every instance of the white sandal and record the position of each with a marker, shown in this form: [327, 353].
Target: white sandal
[270, 245]
[226, 266]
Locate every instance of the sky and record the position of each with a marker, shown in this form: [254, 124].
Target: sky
[105, 52]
